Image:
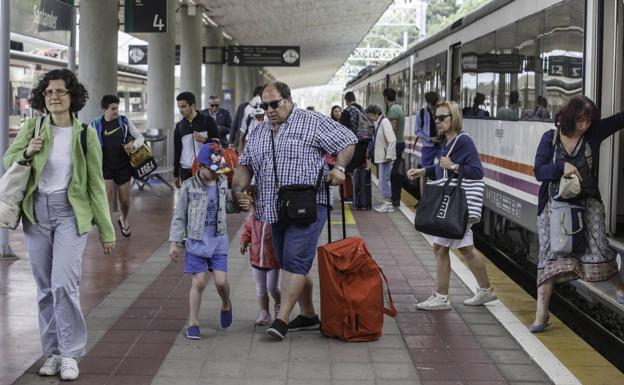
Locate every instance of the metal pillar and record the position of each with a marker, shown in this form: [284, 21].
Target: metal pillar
[214, 72]
[190, 53]
[5, 249]
[98, 53]
[71, 50]
[161, 82]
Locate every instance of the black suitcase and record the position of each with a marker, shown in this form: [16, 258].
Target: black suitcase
[362, 193]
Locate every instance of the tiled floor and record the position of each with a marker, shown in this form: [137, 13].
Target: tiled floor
[135, 331]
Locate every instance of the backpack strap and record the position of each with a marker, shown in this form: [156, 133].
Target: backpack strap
[391, 311]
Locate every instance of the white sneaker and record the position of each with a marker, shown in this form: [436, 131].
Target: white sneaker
[482, 296]
[264, 318]
[384, 208]
[69, 369]
[51, 366]
[435, 302]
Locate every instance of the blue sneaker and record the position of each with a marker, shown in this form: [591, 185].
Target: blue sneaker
[193, 333]
[226, 317]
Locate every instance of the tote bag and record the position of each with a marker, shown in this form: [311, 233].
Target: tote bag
[443, 210]
[13, 188]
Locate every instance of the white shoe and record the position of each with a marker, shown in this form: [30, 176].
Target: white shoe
[51, 366]
[384, 208]
[435, 302]
[482, 296]
[264, 318]
[69, 369]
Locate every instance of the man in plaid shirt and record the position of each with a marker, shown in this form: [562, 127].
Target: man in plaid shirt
[302, 139]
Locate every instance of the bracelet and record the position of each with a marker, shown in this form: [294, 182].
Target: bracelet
[340, 168]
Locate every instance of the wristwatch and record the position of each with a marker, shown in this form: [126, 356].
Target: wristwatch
[341, 168]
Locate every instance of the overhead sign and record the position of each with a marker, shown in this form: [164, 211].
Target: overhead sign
[137, 54]
[145, 16]
[263, 55]
[567, 66]
[48, 20]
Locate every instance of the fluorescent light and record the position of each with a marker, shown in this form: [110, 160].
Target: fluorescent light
[208, 20]
[225, 35]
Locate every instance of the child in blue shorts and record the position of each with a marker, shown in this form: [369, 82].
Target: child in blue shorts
[200, 217]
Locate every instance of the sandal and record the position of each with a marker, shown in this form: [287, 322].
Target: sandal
[125, 231]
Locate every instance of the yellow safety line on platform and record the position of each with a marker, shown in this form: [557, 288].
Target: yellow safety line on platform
[583, 361]
[349, 218]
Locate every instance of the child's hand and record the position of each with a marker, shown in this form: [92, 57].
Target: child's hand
[173, 252]
[244, 247]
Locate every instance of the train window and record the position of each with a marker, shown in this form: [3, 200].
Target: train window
[529, 42]
[509, 65]
[399, 82]
[429, 75]
[562, 55]
[479, 77]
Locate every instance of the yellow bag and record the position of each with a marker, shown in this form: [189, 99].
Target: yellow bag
[140, 155]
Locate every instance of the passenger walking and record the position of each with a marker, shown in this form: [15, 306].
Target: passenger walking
[221, 116]
[384, 154]
[395, 115]
[242, 112]
[427, 132]
[572, 151]
[118, 138]
[290, 151]
[200, 218]
[253, 120]
[65, 196]
[256, 238]
[190, 134]
[336, 113]
[465, 155]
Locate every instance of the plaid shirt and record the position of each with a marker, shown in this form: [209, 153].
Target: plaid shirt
[300, 145]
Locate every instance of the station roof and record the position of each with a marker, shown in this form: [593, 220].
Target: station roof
[327, 31]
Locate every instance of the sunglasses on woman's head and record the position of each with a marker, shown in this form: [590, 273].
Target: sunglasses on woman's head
[441, 118]
[273, 104]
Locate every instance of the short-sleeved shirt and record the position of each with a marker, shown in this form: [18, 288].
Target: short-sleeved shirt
[301, 143]
[113, 154]
[396, 112]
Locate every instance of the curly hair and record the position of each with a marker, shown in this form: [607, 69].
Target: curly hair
[77, 91]
[577, 108]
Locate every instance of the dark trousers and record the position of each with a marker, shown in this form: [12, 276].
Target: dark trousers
[395, 180]
[185, 173]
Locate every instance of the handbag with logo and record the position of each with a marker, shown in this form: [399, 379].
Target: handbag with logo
[296, 203]
[142, 161]
[13, 188]
[443, 210]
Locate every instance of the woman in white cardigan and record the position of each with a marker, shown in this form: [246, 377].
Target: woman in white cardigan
[383, 155]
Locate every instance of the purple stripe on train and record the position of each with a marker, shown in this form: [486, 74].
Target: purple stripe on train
[512, 181]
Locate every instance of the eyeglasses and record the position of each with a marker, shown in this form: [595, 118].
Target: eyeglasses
[214, 105]
[441, 118]
[57, 93]
[273, 104]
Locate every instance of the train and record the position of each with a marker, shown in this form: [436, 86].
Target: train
[545, 51]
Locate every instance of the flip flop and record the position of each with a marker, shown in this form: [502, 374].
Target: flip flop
[125, 231]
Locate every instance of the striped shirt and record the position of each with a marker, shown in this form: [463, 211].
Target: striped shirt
[300, 145]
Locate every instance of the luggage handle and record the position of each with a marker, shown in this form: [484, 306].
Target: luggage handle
[342, 208]
[391, 311]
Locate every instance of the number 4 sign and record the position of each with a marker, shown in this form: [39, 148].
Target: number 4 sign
[145, 16]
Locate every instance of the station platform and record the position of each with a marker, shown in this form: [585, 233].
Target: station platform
[136, 305]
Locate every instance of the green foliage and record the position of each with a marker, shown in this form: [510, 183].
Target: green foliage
[441, 13]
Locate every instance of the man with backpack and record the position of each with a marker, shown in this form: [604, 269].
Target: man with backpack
[354, 118]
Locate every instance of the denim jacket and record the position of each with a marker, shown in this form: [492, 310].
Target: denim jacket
[190, 213]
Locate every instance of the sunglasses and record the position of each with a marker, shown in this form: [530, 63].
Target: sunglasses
[441, 118]
[273, 104]
[214, 105]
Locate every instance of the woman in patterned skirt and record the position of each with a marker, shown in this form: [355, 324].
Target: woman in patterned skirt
[574, 152]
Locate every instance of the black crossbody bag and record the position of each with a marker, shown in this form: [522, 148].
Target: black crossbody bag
[296, 203]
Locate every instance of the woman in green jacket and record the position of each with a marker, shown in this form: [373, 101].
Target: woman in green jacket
[65, 196]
